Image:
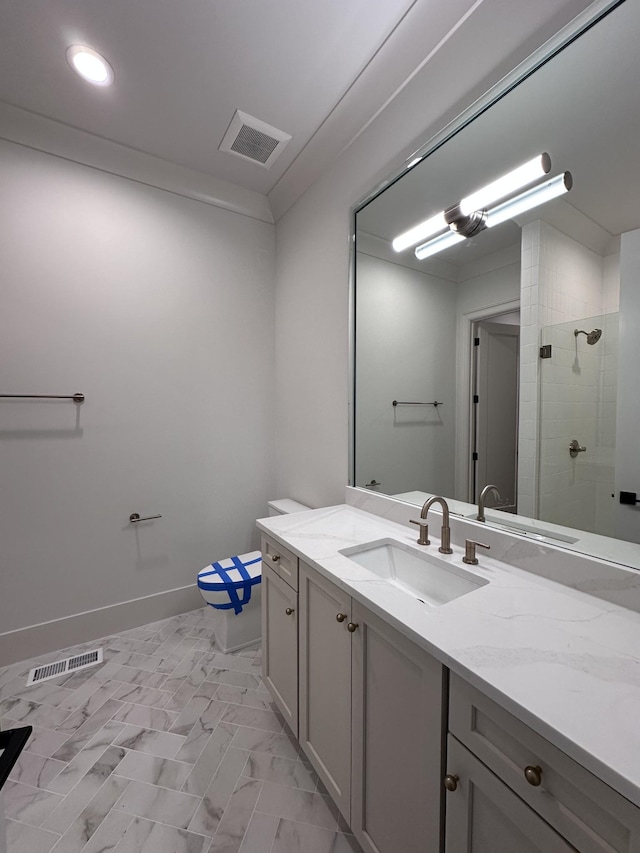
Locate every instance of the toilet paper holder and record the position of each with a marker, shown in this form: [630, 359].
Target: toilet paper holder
[134, 518]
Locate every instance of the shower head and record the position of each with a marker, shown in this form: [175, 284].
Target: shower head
[592, 337]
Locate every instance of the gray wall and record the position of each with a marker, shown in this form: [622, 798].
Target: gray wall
[405, 350]
[161, 310]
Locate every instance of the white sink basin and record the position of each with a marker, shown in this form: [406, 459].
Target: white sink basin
[421, 574]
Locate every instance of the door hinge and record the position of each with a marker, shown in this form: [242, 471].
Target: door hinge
[474, 456]
[545, 351]
[476, 342]
[476, 399]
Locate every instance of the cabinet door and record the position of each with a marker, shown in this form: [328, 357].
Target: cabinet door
[397, 735]
[280, 644]
[325, 683]
[484, 816]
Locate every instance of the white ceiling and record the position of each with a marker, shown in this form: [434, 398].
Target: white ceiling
[182, 68]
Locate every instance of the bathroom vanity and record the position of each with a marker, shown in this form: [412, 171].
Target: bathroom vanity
[502, 717]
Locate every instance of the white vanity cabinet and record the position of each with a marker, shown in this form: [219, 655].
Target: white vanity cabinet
[280, 628]
[398, 707]
[371, 720]
[325, 683]
[510, 789]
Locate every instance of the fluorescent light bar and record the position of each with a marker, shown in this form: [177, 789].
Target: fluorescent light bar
[420, 232]
[438, 244]
[507, 184]
[529, 199]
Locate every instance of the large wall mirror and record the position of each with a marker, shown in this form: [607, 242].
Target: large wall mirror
[501, 345]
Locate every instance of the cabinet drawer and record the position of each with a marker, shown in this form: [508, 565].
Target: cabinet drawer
[588, 813]
[485, 816]
[282, 561]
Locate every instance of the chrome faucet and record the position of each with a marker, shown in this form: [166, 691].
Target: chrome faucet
[445, 533]
[483, 495]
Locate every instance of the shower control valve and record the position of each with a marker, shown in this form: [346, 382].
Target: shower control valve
[575, 447]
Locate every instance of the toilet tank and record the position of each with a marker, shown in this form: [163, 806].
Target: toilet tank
[284, 506]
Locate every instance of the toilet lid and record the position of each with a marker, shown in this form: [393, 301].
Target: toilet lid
[227, 584]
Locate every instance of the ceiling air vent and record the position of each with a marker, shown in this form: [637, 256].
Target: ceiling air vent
[253, 140]
[60, 667]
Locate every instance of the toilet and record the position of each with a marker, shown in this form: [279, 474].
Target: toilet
[232, 587]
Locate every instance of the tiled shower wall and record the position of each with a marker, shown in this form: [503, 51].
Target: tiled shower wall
[578, 400]
[561, 280]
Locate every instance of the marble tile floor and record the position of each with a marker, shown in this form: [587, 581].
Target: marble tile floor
[168, 746]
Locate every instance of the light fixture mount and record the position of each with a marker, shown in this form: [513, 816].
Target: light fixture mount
[466, 226]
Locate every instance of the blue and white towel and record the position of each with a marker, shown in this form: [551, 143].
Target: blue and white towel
[227, 584]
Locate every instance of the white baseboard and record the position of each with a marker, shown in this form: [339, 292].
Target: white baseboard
[35, 640]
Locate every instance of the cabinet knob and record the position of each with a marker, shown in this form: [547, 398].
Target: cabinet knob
[533, 775]
[341, 617]
[352, 626]
[289, 611]
[450, 782]
[275, 557]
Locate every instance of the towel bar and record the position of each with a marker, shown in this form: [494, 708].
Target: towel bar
[405, 403]
[77, 398]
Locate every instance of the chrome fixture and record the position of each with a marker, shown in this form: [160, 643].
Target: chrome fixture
[405, 403]
[592, 337]
[470, 546]
[77, 398]
[483, 496]
[508, 196]
[462, 226]
[445, 533]
[134, 518]
[505, 186]
[372, 484]
[575, 447]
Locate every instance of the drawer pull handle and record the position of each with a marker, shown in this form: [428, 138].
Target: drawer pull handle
[289, 611]
[450, 782]
[352, 626]
[533, 775]
[275, 557]
[341, 617]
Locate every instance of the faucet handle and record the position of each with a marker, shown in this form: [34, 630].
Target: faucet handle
[424, 531]
[470, 546]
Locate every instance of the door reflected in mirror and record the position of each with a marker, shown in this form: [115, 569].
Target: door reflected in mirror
[481, 357]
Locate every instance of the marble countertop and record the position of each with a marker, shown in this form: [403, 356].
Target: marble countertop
[565, 662]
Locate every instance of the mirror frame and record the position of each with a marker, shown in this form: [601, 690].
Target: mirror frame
[583, 22]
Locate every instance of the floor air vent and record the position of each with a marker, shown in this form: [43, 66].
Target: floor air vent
[253, 140]
[60, 667]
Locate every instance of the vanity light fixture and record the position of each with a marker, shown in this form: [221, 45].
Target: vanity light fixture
[552, 188]
[90, 65]
[438, 244]
[508, 184]
[504, 186]
[420, 232]
[464, 226]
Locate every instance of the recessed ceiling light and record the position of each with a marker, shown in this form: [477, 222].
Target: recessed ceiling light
[90, 65]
